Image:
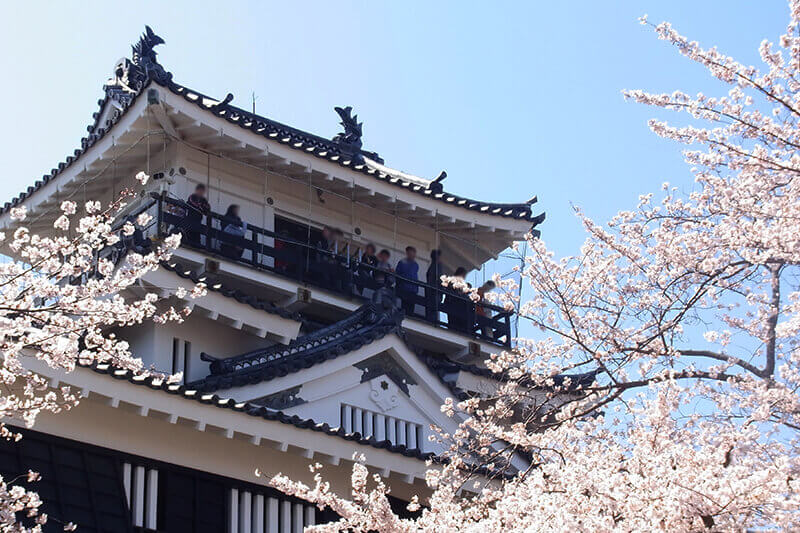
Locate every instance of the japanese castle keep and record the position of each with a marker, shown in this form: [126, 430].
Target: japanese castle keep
[307, 348]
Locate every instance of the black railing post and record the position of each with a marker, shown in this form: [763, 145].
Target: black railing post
[507, 321]
[438, 295]
[253, 247]
[209, 230]
[474, 311]
[161, 231]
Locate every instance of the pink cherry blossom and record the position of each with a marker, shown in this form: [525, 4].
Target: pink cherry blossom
[65, 324]
[686, 310]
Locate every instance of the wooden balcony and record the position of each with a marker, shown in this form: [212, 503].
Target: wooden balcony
[337, 271]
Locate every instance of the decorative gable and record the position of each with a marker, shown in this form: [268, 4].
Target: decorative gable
[376, 408]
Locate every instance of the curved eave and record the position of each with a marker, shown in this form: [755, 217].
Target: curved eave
[109, 116]
[159, 384]
[329, 150]
[97, 133]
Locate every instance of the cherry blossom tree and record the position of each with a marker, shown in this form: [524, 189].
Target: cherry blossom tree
[686, 313]
[60, 300]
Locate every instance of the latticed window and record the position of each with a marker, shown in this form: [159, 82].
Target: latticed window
[101, 490]
[371, 424]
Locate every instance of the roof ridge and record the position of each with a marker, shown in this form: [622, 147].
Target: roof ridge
[366, 324]
[133, 76]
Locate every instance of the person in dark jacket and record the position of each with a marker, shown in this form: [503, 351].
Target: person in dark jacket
[483, 311]
[407, 270]
[233, 230]
[366, 269]
[198, 207]
[433, 293]
[321, 258]
[458, 306]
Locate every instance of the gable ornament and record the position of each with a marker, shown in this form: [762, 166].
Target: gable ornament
[384, 394]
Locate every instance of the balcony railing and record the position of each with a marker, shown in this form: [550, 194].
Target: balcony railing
[334, 270]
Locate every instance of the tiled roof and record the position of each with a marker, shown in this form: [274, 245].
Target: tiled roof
[365, 325]
[359, 161]
[142, 71]
[96, 133]
[240, 296]
[445, 368]
[186, 392]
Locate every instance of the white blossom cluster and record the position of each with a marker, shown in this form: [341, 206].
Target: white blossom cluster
[687, 307]
[46, 317]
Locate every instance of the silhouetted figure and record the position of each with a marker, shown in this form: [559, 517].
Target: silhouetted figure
[233, 230]
[458, 306]
[433, 294]
[407, 271]
[366, 269]
[483, 314]
[198, 207]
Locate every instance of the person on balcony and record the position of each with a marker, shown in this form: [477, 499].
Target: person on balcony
[433, 293]
[198, 207]
[366, 269]
[408, 274]
[233, 230]
[483, 313]
[321, 259]
[457, 305]
[381, 278]
[341, 275]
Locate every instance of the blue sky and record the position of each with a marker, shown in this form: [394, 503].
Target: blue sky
[512, 99]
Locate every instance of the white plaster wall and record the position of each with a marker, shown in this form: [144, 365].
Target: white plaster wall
[153, 343]
[181, 444]
[230, 183]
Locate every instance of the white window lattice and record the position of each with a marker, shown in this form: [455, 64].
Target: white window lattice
[253, 512]
[381, 427]
[141, 491]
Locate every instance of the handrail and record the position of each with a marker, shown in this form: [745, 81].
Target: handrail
[340, 273]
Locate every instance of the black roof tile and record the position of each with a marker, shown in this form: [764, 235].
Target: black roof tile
[263, 305]
[367, 324]
[144, 70]
[157, 383]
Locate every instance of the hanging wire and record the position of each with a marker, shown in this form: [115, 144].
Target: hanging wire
[114, 171]
[523, 261]
[86, 181]
[475, 253]
[308, 226]
[148, 142]
[264, 204]
[352, 219]
[436, 242]
[394, 208]
[164, 149]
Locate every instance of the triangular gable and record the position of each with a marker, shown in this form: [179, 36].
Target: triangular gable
[382, 390]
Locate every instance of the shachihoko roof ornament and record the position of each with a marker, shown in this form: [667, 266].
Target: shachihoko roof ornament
[132, 75]
[351, 137]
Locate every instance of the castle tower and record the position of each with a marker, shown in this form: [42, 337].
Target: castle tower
[306, 348]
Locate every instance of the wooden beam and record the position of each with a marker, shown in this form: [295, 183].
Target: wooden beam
[160, 112]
